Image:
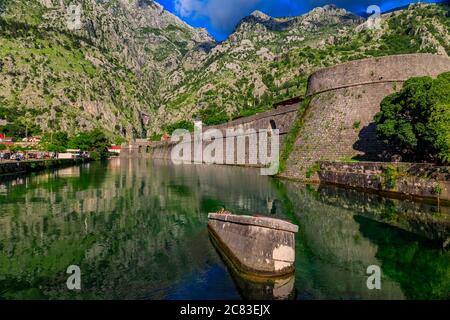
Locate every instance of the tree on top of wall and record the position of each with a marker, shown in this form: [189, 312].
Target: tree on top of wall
[416, 120]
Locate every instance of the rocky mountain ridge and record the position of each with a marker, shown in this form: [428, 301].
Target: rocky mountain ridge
[133, 68]
[267, 59]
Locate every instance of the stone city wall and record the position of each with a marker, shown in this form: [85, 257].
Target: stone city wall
[338, 124]
[280, 119]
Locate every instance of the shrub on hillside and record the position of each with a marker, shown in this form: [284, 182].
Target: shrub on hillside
[183, 124]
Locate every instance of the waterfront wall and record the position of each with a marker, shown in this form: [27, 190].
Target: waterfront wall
[280, 119]
[419, 181]
[9, 167]
[338, 124]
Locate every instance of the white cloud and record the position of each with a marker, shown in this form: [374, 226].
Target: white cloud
[223, 14]
[187, 8]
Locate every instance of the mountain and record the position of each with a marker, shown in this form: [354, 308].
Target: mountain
[269, 59]
[133, 68]
[105, 72]
[254, 67]
[141, 33]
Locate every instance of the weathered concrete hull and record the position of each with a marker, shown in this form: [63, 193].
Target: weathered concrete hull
[258, 288]
[262, 247]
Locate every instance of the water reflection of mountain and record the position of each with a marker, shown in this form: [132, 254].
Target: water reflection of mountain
[120, 232]
[134, 226]
[137, 229]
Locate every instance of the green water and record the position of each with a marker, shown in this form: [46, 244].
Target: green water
[137, 230]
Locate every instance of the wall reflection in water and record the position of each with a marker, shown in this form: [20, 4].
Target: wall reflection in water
[137, 229]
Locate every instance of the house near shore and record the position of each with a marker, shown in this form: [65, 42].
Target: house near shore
[115, 149]
[70, 154]
[34, 140]
[7, 141]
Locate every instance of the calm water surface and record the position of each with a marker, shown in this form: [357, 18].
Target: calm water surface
[137, 229]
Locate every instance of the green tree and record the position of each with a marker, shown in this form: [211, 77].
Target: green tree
[55, 142]
[213, 115]
[13, 130]
[94, 141]
[416, 120]
[183, 124]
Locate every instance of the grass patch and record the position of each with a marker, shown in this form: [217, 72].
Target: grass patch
[390, 176]
[293, 133]
[312, 170]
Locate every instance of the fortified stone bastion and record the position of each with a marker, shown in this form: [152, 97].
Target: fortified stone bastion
[338, 123]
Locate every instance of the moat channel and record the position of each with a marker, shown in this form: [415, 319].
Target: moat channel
[137, 230]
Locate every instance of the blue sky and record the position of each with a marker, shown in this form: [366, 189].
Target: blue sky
[221, 16]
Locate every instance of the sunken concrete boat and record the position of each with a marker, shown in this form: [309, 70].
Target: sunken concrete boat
[257, 246]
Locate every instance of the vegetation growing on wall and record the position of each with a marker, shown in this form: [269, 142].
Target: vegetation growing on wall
[390, 175]
[315, 168]
[293, 133]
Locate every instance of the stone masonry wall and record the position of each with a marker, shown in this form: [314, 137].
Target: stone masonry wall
[338, 124]
[424, 181]
[281, 119]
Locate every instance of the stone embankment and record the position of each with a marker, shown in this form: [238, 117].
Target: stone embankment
[406, 180]
[419, 217]
[11, 167]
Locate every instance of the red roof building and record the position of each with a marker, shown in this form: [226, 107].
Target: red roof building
[115, 149]
[5, 140]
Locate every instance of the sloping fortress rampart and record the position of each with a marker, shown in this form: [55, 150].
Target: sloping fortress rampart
[338, 123]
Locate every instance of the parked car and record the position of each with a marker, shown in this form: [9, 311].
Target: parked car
[17, 156]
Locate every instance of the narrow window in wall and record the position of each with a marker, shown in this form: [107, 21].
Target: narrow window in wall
[273, 124]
